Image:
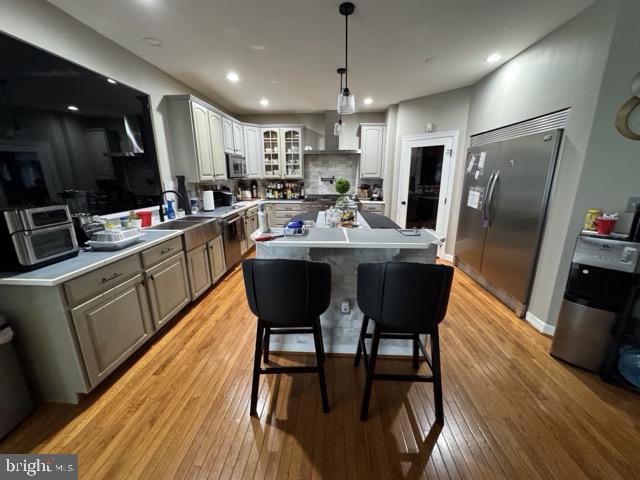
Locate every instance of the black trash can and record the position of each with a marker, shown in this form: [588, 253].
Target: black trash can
[15, 401]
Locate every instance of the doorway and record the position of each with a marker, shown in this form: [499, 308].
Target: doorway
[425, 181]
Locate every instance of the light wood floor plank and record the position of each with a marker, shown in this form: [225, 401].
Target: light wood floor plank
[180, 408]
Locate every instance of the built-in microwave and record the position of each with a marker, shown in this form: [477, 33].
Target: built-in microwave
[236, 166]
[34, 237]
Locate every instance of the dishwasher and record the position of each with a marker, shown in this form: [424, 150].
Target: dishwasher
[233, 234]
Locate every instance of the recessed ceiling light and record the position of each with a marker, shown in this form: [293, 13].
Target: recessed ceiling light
[111, 81]
[233, 77]
[368, 101]
[264, 102]
[153, 41]
[493, 58]
[73, 108]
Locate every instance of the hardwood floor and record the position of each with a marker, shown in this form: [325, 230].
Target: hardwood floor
[181, 409]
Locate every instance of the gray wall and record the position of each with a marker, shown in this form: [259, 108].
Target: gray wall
[41, 24]
[565, 69]
[448, 111]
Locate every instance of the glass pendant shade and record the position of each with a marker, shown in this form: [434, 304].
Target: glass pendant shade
[346, 102]
[338, 128]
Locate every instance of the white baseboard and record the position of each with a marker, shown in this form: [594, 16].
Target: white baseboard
[448, 257]
[539, 325]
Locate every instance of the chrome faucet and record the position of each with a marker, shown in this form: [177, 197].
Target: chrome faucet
[162, 194]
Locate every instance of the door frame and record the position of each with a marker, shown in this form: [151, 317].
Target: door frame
[449, 139]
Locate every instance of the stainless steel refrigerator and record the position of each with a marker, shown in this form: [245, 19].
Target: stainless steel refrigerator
[504, 205]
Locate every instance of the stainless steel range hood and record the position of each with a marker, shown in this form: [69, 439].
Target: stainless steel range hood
[331, 142]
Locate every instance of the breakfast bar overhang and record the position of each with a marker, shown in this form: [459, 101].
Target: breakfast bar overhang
[344, 249]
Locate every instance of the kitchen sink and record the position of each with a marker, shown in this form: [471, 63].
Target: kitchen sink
[195, 230]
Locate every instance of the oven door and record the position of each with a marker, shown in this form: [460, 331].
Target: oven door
[44, 244]
[34, 218]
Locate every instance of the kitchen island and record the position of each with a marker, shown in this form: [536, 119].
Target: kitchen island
[344, 249]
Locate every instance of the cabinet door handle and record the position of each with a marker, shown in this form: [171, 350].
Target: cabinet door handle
[106, 279]
[166, 250]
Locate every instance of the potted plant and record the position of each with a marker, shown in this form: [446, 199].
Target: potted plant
[342, 187]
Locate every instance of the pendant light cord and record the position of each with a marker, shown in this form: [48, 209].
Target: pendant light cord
[346, 51]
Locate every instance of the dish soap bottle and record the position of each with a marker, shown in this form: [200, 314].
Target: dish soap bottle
[171, 213]
[263, 223]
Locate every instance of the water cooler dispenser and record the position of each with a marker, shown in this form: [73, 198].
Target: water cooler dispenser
[603, 275]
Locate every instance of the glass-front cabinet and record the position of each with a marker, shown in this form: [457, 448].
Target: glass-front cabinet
[271, 150]
[282, 149]
[292, 152]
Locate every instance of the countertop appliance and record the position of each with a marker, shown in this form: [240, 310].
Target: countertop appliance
[603, 272]
[223, 198]
[505, 196]
[236, 166]
[34, 237]
[208, 203]
[233, 233]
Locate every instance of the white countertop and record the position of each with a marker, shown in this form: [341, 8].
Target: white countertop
[352, 238]
[84, 262]
[375, 202]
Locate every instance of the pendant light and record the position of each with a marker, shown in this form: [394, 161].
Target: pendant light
[346, 98]
[338, 127]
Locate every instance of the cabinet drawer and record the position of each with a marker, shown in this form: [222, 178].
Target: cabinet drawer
[161, 252]
[289, 207]
[285, 216]
[369, 207]
[87, 286]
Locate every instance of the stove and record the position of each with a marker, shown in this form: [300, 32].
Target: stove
[319, 202]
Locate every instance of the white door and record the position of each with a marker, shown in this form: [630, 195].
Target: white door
[253, 151]
[238, 140]
[426, 181]
[203, 141]
[217, 148]
[372, 151]
[227, 135]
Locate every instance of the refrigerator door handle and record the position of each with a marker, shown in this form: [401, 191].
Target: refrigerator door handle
[490, 199]
[485, 218]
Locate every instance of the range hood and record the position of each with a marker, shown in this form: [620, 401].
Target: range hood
[331, 142]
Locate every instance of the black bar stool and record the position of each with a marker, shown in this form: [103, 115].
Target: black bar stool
[404, 300]
[288, 297]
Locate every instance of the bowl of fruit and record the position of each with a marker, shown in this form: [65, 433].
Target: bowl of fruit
[348, 218]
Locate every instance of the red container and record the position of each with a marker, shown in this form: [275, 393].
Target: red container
[145, 216]
[605, 225]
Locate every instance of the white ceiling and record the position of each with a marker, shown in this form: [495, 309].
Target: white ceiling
[288, 50]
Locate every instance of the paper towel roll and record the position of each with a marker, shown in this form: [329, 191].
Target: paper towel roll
[207, 200]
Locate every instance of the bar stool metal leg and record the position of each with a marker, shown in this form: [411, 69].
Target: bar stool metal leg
[416, 352]
[256, 368]
[437, 377]
[320, 360]
[364, 411]
[361, 338]
[267, 338]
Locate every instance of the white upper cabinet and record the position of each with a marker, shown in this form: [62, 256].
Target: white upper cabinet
[271, 150]
[202, 137]
[253, 151]
[238, 139]
[371, 150]
[227, 135]
[217, 146]
[292, 152]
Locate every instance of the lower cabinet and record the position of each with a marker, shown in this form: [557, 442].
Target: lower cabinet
[198, 271]
[111, 326]
[216, 258]
[167, 288]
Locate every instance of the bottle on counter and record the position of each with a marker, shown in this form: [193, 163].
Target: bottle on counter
[263, 223]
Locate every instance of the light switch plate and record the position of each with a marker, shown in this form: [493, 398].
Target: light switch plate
[631, 204]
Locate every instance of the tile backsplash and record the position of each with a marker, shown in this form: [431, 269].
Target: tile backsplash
[338, 166]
